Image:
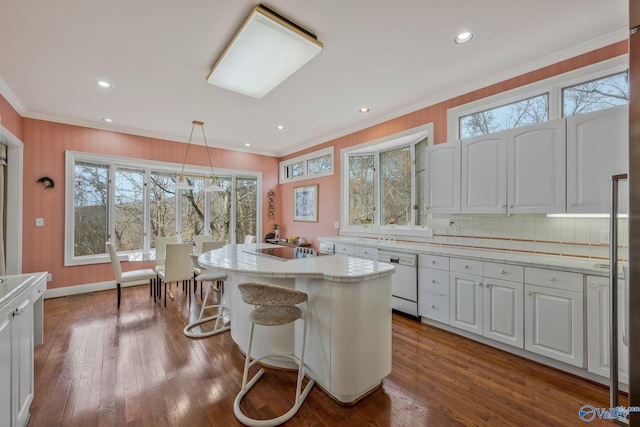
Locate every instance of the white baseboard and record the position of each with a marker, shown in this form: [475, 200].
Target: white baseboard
[90, 287]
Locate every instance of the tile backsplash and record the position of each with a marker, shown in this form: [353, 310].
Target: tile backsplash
[530, 233]
[583, 237]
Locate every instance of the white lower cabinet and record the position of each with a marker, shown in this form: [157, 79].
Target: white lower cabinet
[598, 330]
[554, 315]
[486, 305]
[5, 367]
[433, 287]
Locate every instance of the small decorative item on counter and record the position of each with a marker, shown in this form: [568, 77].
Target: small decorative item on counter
[276, 230]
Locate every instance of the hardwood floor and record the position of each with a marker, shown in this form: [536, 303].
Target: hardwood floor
[100, 366]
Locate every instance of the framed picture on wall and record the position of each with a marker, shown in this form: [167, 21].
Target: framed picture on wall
[305, 203]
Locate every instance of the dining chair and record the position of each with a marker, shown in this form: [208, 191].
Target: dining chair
[129, 276]
[207, 245]
[250, 239]
[177, 266]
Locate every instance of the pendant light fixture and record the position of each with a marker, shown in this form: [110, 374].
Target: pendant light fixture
[181, 183]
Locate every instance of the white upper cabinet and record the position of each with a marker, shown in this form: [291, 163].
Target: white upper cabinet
[484, 174]
[443, 178]
[517, 171]
[597, 147]
[536, 168]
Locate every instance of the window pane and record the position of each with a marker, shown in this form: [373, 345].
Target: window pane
[395, 186]
[596, 95]
[361, 200]
[246, 207]
[129, 209]
[221, 211]
[511, 116]
[90, 208]
[421, 176]
[163, 205]
[193, 209]
[297, 169]
[319, 164]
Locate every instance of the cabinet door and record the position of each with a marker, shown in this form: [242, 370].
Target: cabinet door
[553, 324]
[484, 174]
[443, 178]
[503, 312]
[5, 367]
[598, 331]
[597, 147]
[536, 168]
[22, 362]
[465, 302]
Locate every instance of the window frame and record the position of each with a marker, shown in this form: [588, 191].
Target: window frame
[553, 86]
[148, 166]
[409, 137]
[305, 158]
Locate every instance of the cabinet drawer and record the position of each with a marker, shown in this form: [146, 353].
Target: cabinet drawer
[434, 306]
[513, 273]
[344, 249]
[466, 266]
[365, 252]
[432, 280]
[554, 279]
[433, 261]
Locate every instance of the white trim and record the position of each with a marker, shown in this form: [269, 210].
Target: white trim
[305, 159]
[11, 97]
[88, 288]
[15, 156]
[552, 85]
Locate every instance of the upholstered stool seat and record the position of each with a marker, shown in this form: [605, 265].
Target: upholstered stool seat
[221, 325]
[274, 306]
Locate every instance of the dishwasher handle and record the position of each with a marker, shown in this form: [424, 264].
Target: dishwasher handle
[395, 260]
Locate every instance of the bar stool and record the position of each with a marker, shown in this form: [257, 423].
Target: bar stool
[212, 277]
[275, 305]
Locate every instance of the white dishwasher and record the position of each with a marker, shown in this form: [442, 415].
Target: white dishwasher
[404, 282]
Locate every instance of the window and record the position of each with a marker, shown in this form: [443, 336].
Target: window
[130, 202]
[361, 190]
[596, 94]
[312, 165]
[395, 186]
[514, 115]
[384, 181]
[91, 186]
[591, 88]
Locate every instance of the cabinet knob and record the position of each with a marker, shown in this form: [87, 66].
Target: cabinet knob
[486, 285]
[466, 266]
[511, 206]
[593, 286]
[433, 261]
[503, 272]
[529, 293]
[433, 306]
[552, 279]
[17, 312]
[504, 206]
[479, 283]
[433, 280]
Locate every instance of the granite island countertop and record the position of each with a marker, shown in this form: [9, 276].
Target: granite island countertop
[238, 258]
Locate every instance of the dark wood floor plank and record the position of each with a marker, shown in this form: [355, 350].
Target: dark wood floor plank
[100, 366]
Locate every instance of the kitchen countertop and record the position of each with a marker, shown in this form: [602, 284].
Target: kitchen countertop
[233, 258]
[552, 262]
[12, 286]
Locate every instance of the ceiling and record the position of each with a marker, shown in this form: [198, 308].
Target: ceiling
[393, 57]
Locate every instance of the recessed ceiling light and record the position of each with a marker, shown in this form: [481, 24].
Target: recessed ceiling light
[107, 120]
[364, 110]
[247, 144]
[280, 127]
[463, 37]
[103, 84]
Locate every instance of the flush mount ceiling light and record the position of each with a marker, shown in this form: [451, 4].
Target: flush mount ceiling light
[364, 110]
[181, 183]
[463, 37]
[280, 127]
[103, 84]
[107, 120]
[267, 49]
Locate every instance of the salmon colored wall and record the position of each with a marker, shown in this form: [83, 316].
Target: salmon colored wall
[329, 187]
[10, 119]
[45, 144]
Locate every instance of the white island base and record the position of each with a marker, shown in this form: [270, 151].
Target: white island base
[348, 349]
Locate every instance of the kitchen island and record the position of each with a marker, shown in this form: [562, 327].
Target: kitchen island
[348, 348]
